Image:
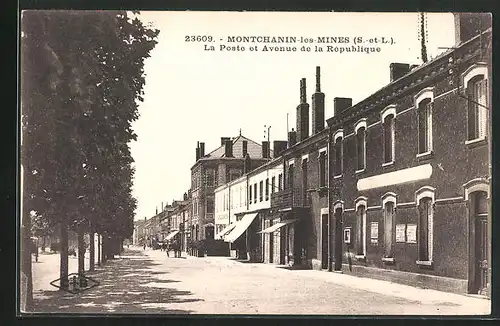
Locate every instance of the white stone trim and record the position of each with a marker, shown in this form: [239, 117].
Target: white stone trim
[337, 134]
[478, 184]
[473, 71]
[324, 211]
[425, 192]
[425, 93]
[338, 204]
[391, 109]
[389, 197]
[361, 201]
[305, 157]
[291, 161]
[360, 124]
[321, 150]
[421, 172]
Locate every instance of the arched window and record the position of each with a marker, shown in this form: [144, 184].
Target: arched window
[424, 103]
[476, 84]
[360, 130]
[388, 129]
[361, 226]
[424, 198]
[338, 152]
[389, 213]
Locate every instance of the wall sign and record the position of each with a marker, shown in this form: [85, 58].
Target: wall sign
[347, 235]
[374, 233]
[411, 233]
[400, 232]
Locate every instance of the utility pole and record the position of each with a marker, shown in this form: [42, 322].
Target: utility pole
[423, 36]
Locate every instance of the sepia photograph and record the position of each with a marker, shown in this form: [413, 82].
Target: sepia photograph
[255, 163]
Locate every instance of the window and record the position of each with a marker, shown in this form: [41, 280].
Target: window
[250, 194]
[290, 176]
[255, 193]
[261, 190]
[361, 228]
[389, 207]
[337, 166]
[322, 169]
[280, 182]
[304, 182]
[267, 189]
[273, 184]
[210, 177]
[424, 197]
[388, 129]
[424, 101]
[425, 216]
[360, 145]
[476, 108]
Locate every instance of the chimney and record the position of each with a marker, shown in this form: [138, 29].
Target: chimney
[185, 196]
[318, 106]
[202, 150]
[292, 138]
[228, 147]
[223, 140]
[279, 147]
[245, 148]
[162, 206]
[468, 25]
[302, 113]
[197, 151]
[340, 104]
[265, 149]
[398, 70]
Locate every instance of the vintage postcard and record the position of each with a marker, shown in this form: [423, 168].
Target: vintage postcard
[255, 163]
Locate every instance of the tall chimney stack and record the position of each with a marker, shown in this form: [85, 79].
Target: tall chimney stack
[265, 149]
[228, 147]
[302, 113]
[318, 106]
[197, 151]
[202, 149]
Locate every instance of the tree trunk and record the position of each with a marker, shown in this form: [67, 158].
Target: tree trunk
[26, 276]
[63, 266]
[91, 251]
[99, 249]
[81, 252]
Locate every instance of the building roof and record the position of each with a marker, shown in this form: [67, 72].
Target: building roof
[254, 149]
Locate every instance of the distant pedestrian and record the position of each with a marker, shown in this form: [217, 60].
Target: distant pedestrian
[144, 246]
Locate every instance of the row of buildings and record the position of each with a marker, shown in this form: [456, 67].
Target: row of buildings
[395, 187]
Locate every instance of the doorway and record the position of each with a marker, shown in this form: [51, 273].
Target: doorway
[209, 232]
[479, 262]
[324, 241]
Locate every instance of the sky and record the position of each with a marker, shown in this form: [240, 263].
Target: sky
[195, 95]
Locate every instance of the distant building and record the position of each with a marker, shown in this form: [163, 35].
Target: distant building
[220, 166]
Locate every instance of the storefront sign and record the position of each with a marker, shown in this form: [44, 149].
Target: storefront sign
[411, 233]
[374, 233]
[347, 235]
[400, 232]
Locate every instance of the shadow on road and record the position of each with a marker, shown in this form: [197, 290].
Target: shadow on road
[127, 285]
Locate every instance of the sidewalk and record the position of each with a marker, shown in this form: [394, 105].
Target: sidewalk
[125, 287]
[426, 296]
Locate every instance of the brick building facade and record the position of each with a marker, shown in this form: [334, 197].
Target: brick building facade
[410, 175]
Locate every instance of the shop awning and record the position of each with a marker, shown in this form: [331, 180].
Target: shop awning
[225, 231]
[241, 226]
[171, 235]
[276, 226]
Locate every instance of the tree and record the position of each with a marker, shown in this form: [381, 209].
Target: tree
[82, 73]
